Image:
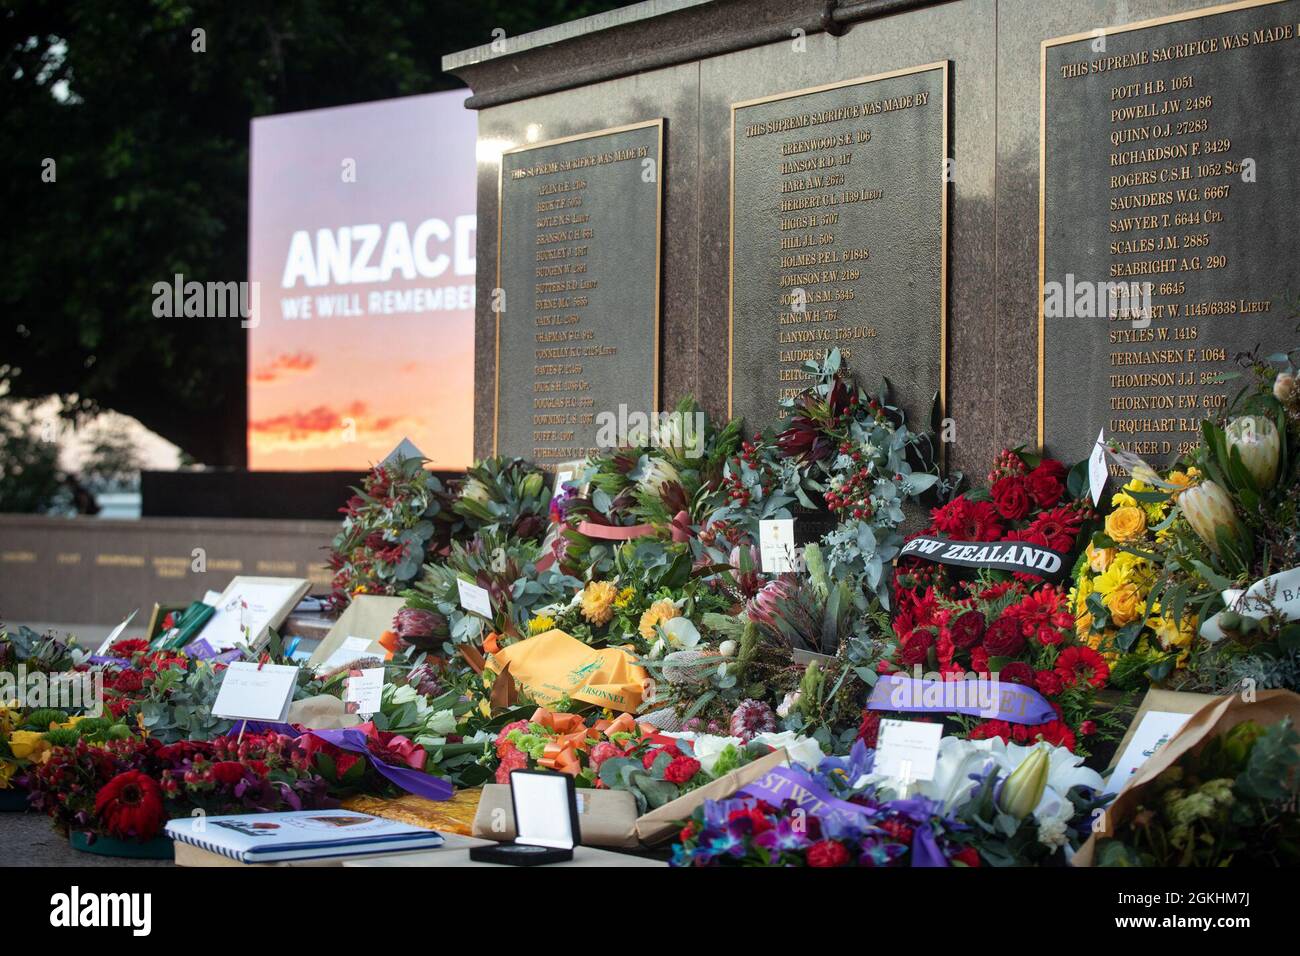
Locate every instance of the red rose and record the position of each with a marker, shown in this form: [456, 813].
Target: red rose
[1048, 683]
[681, 769]
[1010, 497]
[1088, 728]
[1017, 672]
[1003, 637]
[228, 772]
[915, 647]
[968, 629]
[967, 857]
[1046, 483]
[827, 853]
[130, 806]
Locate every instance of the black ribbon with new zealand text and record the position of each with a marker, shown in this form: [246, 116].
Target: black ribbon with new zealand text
[1047, 563]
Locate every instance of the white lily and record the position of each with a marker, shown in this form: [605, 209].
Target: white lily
[801, 750]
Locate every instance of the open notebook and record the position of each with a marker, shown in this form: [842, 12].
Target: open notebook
[300, 835]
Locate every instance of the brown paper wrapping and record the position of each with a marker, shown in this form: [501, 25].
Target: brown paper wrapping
[608, 817]
[658, 825]
[445, 816]
[1214, 719]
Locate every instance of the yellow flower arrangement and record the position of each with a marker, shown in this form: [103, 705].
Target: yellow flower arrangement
[598, 602]
[659, 612]
[1123, 580]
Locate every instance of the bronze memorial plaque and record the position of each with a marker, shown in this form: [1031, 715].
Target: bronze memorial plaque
[577, 300]
[1167, 233]
[839, 238]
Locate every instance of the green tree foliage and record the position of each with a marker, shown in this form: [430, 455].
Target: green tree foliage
[142, 125]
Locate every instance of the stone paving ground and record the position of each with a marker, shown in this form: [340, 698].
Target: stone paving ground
[28, 839]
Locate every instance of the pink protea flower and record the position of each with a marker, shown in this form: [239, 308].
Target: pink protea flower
[751, 718]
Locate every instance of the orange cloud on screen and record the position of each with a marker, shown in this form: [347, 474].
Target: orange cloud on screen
[283, 366]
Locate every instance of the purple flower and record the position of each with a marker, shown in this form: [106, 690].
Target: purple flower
[785, 837]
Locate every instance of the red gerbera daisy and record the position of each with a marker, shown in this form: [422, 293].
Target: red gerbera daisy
[1082, 663]
[130, 806]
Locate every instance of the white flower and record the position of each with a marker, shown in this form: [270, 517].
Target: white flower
[708, 747]
[1053, 833]
[476, 491]
[958, 759]
[680, 633]
[801, 750]
[787, 704]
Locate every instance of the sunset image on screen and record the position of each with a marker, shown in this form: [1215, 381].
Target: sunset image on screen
[361, 248]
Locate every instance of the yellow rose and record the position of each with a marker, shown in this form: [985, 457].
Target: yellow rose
[598, 602]
[660, 611]
[1123, 604]
[7, 770]
[1099, 559]
[30, 745]
[1126, 523]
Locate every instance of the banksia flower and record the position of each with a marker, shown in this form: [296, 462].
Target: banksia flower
[1208, 510]
[1256, 440]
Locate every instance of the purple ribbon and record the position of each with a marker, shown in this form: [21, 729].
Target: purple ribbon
[409, 779]
[785, 783]
[990, 699]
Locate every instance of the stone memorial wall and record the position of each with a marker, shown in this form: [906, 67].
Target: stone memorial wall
[1055, 217]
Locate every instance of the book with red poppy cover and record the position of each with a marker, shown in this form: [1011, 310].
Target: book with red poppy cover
[300, 835]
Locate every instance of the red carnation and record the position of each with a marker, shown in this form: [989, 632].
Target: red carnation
[990, 729]
[601, 752]
[1048, 683]
[681, 769]
[1003, 637]
[1010, 497]
[968, 856]
[513, 759]
[1056, 732]
[650, 756]
[827, 853]
[1082, 663]
[130, 806]
[968, 629]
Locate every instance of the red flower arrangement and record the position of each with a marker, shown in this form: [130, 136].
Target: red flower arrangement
[127, 789]
[1014, 625]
